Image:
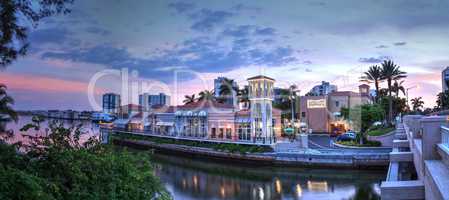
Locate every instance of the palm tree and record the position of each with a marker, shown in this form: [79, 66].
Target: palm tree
[373, 75]
[7, 113]
[391, 72]
[243, 95]
[227, 89]
[206, 95]
[398, 87]
[417, 103]
[189, 99]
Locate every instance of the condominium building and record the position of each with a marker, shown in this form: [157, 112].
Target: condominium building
[111, 103]
[445, 79]
[147, 100]
[323, 89]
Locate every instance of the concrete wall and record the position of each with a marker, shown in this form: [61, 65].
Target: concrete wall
[386, 140]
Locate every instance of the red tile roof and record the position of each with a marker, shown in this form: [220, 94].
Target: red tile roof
[205, 104]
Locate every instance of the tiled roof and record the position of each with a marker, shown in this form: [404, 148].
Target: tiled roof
[205, 104]
[260, 77]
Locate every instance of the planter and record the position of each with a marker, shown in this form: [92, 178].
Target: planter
[386, 140]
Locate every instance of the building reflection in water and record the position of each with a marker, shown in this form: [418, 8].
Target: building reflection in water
[191, 183]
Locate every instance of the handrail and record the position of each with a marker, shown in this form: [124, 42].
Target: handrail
[445, 135]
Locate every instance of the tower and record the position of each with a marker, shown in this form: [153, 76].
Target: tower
[261, 98]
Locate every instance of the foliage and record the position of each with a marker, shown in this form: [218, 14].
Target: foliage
[363, 116]
[243, 96]
[206, 95]
[399, 104]
[62, 166]
[367, 143]
[417, 104]
[397, 87]
[189, 99]
[7, 113]
[390, 73]
[233, 148]
[380, 131]
[373, 75]
[443, 100]
[227, 88]
[16, 16]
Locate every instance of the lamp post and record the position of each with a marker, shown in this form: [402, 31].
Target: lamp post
[406, 93]
[292, 103]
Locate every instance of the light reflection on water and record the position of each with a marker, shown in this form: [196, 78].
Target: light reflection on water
[188, 179]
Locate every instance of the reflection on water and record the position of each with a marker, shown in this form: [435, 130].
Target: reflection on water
[198, 179]
[193, 179]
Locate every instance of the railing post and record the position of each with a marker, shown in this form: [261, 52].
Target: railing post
[431, 135]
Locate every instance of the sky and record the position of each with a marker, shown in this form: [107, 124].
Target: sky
[179, 47]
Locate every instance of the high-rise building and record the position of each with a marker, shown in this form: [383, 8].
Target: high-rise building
[445, 79]
[324, 89]
[111, 103]
[232, 99]
[149, 100]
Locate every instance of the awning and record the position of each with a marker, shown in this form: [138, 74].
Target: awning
[121, 121]
[242, 120]
[136, 121]
[164, 124]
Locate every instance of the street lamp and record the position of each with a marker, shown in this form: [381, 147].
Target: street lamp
[406, 93]
[291, 101]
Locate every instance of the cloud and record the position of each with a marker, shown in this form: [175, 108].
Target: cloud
[206, 19]
[242, 7]
[378, 59]
[201, 54]
[181, 7]
[49, 35]
[399, 43]
[307, 62]
[268, 31]
[238, 31]
[381, 47]
[97, 30]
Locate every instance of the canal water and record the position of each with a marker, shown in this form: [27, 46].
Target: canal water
[188, 178]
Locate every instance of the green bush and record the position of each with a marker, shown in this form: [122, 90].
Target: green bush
[380, 131]
[367, 143]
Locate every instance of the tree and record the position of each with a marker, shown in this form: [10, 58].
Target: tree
[390, 73]
[62, 166]
[227, 89]
[7, 113]
[362, 117]
[417, 104]
[206, 95]
[189, 99]
[398, 87]
[373, 75]
[16, 16]
[243, 96]
[443, 100]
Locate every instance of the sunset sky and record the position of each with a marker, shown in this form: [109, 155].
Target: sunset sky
[295, 42]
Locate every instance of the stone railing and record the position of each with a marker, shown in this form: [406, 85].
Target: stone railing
[445, 136]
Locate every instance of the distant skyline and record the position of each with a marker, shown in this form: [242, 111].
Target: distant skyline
[295, 42]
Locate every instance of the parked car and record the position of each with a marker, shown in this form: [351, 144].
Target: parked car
[348, 136]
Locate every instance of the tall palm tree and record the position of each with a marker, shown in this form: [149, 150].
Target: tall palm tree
[373, 75]
[227, 89]
[390, 73]
[7, 113]
[398, 87]
[189, 99]
[206, 95]
[417, 103]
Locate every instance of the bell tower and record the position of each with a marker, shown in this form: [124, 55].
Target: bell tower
[261, 98]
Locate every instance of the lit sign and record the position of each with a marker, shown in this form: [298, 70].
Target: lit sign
[321, 103]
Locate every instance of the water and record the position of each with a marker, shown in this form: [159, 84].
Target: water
[188, 178]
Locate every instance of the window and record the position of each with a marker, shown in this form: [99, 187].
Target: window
[303, 114]
[221, 133]
[228, 133]
[337, 104]
[214, 132]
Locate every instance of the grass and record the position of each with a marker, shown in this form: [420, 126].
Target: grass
[380, 131]
[357, 144]
[223, 147]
